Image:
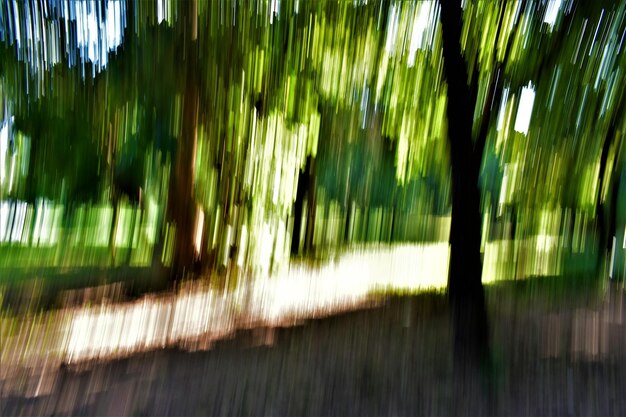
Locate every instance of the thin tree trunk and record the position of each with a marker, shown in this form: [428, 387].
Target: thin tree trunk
[113, 230]
[604, 209]
[311, 208]
[298, 207]
[181, 202]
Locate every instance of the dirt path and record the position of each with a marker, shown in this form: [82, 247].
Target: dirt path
[392, 360]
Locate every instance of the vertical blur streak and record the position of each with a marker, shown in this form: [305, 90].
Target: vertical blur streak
[299, 158]
[309, 127]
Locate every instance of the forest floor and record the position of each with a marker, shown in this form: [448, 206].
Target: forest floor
[554, 354]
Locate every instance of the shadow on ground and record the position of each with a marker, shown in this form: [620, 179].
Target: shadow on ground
[390, 360]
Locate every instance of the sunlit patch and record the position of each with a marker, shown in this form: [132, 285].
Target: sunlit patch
[424, 18]
[612, 263]
[97, 37]
[199, 229]
[97, 29]
[525, 109]
[533, 256]
[392, 30]
[164, 11]
[503, 106]
[274, 10]
[296, 293]
[4, 150]
[552, 12]
[4, 220]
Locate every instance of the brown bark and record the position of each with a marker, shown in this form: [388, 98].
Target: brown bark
[181, 200]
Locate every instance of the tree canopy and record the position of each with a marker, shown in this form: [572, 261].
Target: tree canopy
[226, 105]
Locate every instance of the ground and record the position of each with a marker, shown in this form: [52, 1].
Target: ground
[558, 355]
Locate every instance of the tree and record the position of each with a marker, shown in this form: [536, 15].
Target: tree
[464, 284]
[476, 75]
[258, 107]
[182, 203]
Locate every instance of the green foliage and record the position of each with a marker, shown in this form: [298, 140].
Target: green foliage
[358, 86]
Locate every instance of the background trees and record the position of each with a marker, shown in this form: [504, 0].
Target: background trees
[314, 125]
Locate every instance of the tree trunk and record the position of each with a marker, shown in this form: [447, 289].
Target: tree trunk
[181, 201]
[471, 345]
[311, 209]
[113, 229]
[606, 210]
[298, 207]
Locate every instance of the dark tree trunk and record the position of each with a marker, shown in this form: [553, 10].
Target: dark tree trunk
[347, 232]
[607, 210]
[304, 180]
[305, 191]
[471, 345]
[311, 208]
[113, 230]
[181, 201]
